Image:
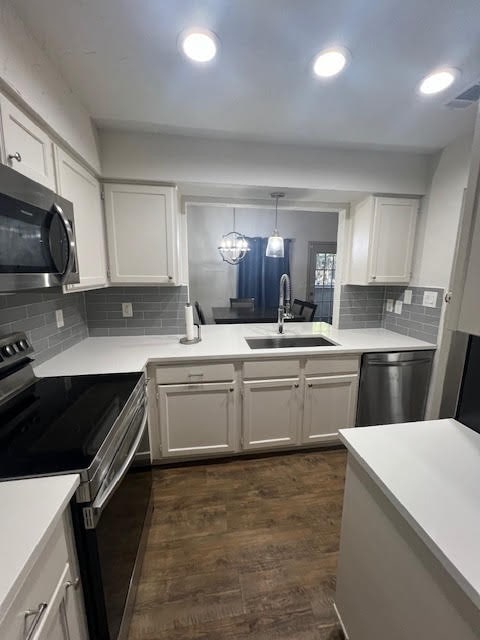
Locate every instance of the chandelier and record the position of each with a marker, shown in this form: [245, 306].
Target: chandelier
[233, 246]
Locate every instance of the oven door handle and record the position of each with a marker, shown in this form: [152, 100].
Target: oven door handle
[70, 239]
[102, 499]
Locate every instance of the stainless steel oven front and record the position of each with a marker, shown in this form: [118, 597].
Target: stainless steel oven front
[37, 235]
[111, 528]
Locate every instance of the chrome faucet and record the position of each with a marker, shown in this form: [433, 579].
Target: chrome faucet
[284, 312]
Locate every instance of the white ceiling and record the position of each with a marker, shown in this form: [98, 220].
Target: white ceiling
[121, 57]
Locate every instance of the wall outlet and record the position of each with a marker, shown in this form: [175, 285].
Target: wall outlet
[407, 296]
[127, 310]
[430, 298]
[59, 318]
[398, 307]
[389, 305]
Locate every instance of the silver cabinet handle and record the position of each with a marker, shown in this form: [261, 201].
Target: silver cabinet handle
[296, 386]
[15, 156]
[38, 613]
[72, 583]
[310, 385]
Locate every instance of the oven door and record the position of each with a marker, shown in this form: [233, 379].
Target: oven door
[111, 534]
[37, 242]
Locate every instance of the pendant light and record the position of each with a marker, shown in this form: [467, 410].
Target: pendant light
[275, 248]
[233, 246]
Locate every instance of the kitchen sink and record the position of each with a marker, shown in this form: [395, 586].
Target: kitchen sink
[288, 342]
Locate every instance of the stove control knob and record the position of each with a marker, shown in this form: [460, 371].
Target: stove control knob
[9, 350]
[22, 345]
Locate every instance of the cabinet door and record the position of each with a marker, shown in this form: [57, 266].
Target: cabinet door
[76, 184]
[57, 623]
[142, 234]
[28, 149]
[391, 248]
[330, 404]
[271, 411]
[197, 418]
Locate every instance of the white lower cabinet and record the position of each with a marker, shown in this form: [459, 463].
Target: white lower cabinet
[49, 604]
[196, 419]
[329, 404]
[59, 621]
[221, 407]
[271, 413]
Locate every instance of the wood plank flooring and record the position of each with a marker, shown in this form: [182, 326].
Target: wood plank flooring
[243, 549]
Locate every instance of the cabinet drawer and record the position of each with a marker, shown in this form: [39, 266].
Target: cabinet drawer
[332, 365]
[39, 586]
[273, 368]
[195, 373]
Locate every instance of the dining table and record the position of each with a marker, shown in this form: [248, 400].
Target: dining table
[241, 315]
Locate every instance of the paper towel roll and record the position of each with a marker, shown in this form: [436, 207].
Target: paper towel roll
[189, 321]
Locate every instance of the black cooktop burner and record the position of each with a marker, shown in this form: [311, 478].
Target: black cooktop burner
[58, 424]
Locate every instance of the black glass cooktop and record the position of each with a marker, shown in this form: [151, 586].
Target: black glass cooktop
[58, 424]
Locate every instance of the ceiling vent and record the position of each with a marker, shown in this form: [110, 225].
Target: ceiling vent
[466, 98]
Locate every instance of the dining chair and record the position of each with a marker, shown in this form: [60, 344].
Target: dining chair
[304, 308]
[200, 314]
[242, 303]
[297, 307]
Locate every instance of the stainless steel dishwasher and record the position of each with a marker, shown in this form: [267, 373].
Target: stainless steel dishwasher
[393, 387]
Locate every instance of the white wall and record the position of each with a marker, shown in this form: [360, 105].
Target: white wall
[175, 158]
[440, 215]
[212, 281]
[27, 71]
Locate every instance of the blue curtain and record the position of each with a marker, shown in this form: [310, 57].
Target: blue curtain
[259, 276]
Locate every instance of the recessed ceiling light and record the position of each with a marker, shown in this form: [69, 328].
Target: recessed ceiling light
[330, 62]
[200, 45]
[438, 81]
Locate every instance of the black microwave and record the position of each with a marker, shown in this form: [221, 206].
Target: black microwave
[37, 235]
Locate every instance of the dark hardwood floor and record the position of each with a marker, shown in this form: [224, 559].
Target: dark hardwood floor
[243, 549]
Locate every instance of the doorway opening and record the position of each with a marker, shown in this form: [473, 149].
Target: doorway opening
[322, 262]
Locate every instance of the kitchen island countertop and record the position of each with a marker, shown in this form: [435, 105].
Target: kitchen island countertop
[430, 472]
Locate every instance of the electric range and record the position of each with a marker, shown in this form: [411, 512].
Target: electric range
[91, 425]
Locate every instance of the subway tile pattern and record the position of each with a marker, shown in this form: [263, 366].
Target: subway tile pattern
[361, 307]
[34, 313]
[156, 311]
[415, 320]
[365, 307]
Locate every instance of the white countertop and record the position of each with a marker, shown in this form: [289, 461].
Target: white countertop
[431, 472]
[132, 353]
[30, 511]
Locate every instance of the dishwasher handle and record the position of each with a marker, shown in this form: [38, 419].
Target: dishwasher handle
[402, 363]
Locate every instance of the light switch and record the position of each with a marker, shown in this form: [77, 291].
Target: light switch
[127, 310]
[407, 296]
[59, 318]
[389, 305]
[398, 307]
[430, 298]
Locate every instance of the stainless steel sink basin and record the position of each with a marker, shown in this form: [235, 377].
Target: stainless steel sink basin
[288, 342]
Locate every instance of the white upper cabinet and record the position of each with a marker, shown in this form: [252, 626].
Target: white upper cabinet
[142, 234]
[382, 236]
[28, 149]
[80, 187]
